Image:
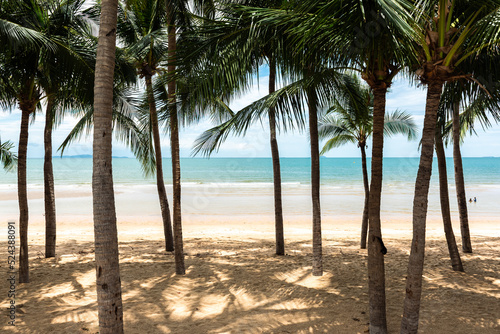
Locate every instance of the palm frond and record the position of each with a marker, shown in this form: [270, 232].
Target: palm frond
[400, 122]
[337, 141]
[7, 158]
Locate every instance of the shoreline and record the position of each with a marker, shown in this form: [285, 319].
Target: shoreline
[227, 201]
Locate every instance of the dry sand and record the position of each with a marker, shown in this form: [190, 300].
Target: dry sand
[235, 284]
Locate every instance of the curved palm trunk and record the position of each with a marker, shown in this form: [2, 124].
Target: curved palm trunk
[364, 222]
[409, 323]
[48, 179]
[22, 193]
[176, 167]
[160, 184]
[456, 263]
[109, 295]
[317, 267]
[278, 207]
[459, 182]
[376, 270]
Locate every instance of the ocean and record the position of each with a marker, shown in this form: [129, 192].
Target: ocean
[340, 172]
[241, 186]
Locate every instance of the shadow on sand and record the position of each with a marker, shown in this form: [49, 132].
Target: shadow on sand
[241, 287]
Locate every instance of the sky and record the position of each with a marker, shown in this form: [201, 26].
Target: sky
[256, 142]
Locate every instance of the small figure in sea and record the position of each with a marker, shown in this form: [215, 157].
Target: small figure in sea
[470, 200]
[474, 200]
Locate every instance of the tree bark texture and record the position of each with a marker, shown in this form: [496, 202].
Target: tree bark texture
[364, 222]
[176, 166]
[460, 183]
[22, 193]
[160, 183]
[48, 181]
[376, 270]
[278, 207]
[317, 267]
[109, 295]
[409, 323]
[456, 262]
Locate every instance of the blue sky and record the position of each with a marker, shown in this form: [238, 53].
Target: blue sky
[256, 143]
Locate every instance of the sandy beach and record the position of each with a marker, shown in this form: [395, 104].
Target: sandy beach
[235, 284]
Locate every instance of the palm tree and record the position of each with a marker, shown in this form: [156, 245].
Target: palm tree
[312, 106]
[18, 82]
[367, 35]
[481, 96]
[178, 19]
[22, 79]
[459, 182]
[351, 121]
[176, 15]
[452, 33]
[37, 72]
[7, 158]
[236, 33]
[141, 27]
[109, 296]
[67, 22]
[479, 102]
[456, 262]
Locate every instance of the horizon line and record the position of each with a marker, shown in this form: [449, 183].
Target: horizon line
[88, 156]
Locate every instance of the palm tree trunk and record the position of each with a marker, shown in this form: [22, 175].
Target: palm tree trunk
[376, 270]
[456, 263]
[48, 178]
[409, 323]
[22, 193]
[317, 267]
[459, 182]
[278, 207]
[364, 222]
[109, 294]
[176, 167]
[160, 184]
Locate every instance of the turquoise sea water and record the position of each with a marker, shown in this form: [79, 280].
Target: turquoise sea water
[240, 186]
[341, 172]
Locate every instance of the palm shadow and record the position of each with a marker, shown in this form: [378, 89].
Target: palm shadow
[235, 286]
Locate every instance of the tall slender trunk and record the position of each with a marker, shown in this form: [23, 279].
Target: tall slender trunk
[176, 166]
[160, 184]
[456, 263]
[109, 293]
[317, 267]
[48, 180]
[278, 207]
[376, 270]
[22, 193]
[409, 323]
[364, 222]
[459, 182]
